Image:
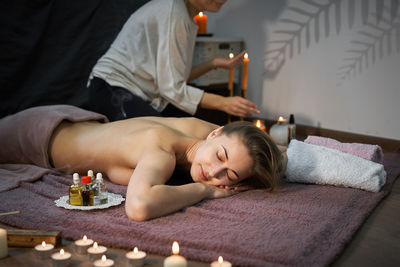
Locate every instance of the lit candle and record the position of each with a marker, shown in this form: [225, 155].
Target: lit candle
[260, 124]
[61, 258]
[201, 21]
[3, 243]
[83, 244]
[175, 260]
[231, 71]
[279, 132]
[245, 71]
[43, 250]
[220, 263]
[136, 257]
[104, 262]
[96, 251]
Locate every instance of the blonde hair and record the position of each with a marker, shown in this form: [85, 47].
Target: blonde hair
[267, 158]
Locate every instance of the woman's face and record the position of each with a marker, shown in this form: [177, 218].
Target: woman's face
[221, 160]
[208, 5]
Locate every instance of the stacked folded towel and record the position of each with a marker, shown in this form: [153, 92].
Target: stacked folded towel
[309, 163]
[366, 151]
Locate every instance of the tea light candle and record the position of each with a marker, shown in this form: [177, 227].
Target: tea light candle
[260, 124]
[175, 260]
[96, 251]
[61, 258]
[201, 21]
[3, 243]
[83, 244]
[43, 250]
[136, 257]
[221, 263]
[279, 132]
[104, 262]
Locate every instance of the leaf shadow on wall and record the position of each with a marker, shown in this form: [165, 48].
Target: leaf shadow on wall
[313, 18]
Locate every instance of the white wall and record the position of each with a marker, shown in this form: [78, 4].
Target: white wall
[342, 70]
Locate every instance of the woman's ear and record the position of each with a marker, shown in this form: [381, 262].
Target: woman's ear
[215, 133]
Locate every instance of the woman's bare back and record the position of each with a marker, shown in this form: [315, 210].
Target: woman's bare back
[115, 148]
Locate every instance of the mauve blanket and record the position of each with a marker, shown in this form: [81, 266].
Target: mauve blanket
[299, 225]
[24, 140]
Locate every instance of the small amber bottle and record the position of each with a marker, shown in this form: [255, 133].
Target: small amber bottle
[87, 191]
[75, 191]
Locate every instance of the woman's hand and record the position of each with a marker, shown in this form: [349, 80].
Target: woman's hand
[239, 106]
[227, 63]
[219, 192]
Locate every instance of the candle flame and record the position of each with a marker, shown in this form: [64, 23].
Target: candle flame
[200, 14]
[281, 119]
[43, 244]
[135, 250]
[175, 248]
[258, 123]
[62, 251]
[220, 259]
[95, 245]
[246, 55]
[103, 258]
[85, 237]
[231, 55]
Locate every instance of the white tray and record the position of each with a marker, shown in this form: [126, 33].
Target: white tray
[113, 200]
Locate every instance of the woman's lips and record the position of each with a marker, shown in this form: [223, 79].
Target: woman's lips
[202, 175]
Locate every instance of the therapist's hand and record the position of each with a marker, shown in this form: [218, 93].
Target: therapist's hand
[239, 106]
[227, 63]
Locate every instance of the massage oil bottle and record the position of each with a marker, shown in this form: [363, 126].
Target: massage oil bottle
[100, 190]
[75, 191]
[87, 191]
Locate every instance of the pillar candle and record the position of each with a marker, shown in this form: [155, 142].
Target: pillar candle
[231, 72]
[279, 132]
[221, 263]
[83, 244]
[201, 21]
[3, 243]
[61, 259]
[245, 71]
[175, 260]
[136, 257]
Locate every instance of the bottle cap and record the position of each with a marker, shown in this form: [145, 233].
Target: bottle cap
[86, 179]
[90, 173]
[291, 119]
[99, 176]
[75, 178]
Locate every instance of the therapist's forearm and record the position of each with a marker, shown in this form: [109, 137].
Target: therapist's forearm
[201, 69]
[212, 101]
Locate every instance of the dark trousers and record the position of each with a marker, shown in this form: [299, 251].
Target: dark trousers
[117, 103]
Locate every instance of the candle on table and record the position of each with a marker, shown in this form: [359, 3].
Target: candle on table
[231, 72]
[61, 258]
[96, 251]
[175, 260]
[260, 124]
[83, 244]
[245, 74]
[3, 243]
[43, 250]
[136, 257]
[201, 21]
[104, 262]
[221, 263]
[279, 132]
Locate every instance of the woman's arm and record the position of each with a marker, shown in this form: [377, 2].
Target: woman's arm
[206, 66]
[148, 197]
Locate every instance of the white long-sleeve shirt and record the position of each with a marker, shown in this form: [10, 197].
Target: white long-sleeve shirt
[152, 56]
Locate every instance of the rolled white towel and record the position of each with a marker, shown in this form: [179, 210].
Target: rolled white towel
[321, 165]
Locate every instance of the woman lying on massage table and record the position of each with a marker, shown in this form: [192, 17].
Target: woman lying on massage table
[143, 153]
